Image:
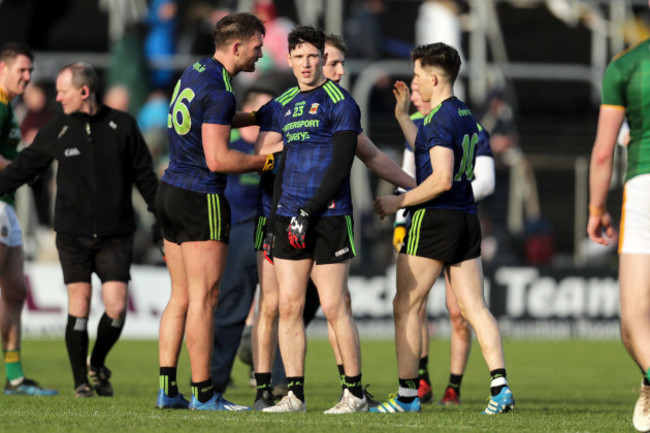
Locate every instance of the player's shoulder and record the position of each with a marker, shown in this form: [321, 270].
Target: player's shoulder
[207, 73]
[633, 52]
[337, 94]
[285, 97]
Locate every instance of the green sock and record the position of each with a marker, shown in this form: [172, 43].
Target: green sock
[13, 366]
[646, 379]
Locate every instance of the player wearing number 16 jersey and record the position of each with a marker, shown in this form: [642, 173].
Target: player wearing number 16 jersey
[444, 233]
[192, 210]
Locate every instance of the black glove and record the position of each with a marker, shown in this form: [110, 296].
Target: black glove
[267, 247]
[298, 229]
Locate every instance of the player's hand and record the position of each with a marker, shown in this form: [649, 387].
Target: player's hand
[399, 232]
[387, 205]
[600, 229]
[297, 229]
[267, 247]
[402, 99]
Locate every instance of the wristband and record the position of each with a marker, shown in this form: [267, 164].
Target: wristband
[596, 210]
[253, 116]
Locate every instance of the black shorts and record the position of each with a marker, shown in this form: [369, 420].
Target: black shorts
[446, 235]
[188, 216]
[260, 232]
[109, 257]
[328, 240]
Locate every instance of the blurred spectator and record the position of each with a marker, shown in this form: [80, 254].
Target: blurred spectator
[37, 114]
[197, 25]
[160, 42]
[523, 216]
[128, 67]
[275, 42]
[152, 120]
[363, 29]
[439, 21]
[117, 97]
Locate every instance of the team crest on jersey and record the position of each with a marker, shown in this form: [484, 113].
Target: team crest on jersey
[314, 108]
[4, 231]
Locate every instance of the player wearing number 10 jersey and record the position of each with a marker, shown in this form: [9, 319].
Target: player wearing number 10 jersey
[444, 233]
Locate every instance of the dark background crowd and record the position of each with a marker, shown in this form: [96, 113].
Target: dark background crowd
[532, 73]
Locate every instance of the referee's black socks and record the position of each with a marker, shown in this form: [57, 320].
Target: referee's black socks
[76, 341]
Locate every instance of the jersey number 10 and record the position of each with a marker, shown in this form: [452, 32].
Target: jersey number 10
[467, 163]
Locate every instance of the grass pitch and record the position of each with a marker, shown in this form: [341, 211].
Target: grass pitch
[572, 387]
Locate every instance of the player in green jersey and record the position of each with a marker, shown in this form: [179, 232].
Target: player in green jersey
[625, 93]
[15, 73]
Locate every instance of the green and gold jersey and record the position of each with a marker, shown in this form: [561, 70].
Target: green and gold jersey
[627, 85]
[9, 137]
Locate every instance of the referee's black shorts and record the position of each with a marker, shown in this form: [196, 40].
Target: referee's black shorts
[188, 216]
[446, 235]
[328, 240]
[109, 257]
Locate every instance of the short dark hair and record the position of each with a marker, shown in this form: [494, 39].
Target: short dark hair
[307, 35]
[10, 50]
[83, 75]
[337, 42]
[237, 26]
[439, 55]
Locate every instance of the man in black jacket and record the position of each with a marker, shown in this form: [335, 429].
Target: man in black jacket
[100, 154]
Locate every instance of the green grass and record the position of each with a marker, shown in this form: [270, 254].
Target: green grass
[574, 386]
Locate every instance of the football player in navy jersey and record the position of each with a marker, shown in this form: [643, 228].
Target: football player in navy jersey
[312, 216]
[192, 209]
[482, 186]
[444, 233]
[270, 139]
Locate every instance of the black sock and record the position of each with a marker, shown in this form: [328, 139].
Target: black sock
[646, 382]
[168, 381]
[341, 375]
[495, 374]
[423, 369]
[454, 382]
[353, 384]
[76, 341]
[108, 331]
[410, 384]
[203, 391]
[297, 386]
[263, 381]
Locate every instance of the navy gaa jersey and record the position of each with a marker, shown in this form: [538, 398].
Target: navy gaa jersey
[308, 120]
[202, 95]
[451, 125]
[241, 190]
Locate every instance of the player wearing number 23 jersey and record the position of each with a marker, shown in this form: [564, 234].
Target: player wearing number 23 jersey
[452, 125]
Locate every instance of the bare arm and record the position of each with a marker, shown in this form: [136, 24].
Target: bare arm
[268, 142]
[441, 180]
[610, 120]
[219, 157]
[379, 163]
[402, 102]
